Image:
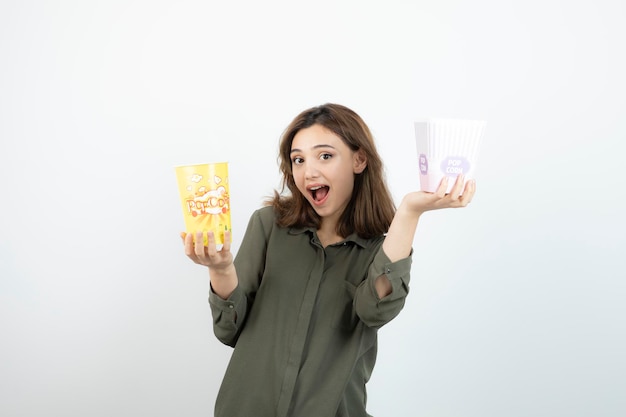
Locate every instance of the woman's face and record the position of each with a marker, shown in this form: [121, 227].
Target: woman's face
[323, 169]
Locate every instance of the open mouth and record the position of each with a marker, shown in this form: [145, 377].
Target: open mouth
[319, 192]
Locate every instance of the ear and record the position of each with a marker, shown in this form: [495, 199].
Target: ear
[359, 160]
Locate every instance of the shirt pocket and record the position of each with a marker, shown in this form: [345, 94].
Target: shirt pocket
[345, 316]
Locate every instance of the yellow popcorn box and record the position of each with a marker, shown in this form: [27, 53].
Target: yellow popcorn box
[205, 198]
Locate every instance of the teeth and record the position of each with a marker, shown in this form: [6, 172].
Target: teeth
[315, 188]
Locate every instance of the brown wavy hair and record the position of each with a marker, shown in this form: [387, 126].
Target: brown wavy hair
[371, 208]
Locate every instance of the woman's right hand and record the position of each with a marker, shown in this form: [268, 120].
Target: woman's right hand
[210, 256]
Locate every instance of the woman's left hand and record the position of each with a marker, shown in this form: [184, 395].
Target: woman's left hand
[420, 201]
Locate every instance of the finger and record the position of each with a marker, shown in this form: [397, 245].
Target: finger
[443, 187]
[457, 187]
[227, 241]
[211, 247]
[198, 246]
[468, 194]
[188, 241]
[182, 236]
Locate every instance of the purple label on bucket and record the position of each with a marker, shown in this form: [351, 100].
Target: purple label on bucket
[455, 165]
[423, 161]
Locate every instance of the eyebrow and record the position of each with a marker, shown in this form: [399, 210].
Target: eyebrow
[314, 147]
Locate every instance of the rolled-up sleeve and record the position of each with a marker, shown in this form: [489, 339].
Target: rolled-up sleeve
[225, 313]
[376, 312]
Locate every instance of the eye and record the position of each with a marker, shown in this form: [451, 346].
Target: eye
[297, 160]
[325, 156]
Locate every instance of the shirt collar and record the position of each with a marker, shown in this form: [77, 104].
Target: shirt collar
[362, 242]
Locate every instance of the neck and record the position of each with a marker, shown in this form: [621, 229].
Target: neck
[327, 233]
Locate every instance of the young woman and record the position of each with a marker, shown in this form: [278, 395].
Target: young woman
[319, 270]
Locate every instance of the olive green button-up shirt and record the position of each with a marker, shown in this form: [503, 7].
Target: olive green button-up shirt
[303, 322]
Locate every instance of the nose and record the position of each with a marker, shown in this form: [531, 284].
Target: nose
[310, 170]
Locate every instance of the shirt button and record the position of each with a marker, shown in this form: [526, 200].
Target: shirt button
[388, 270]
[231, 306]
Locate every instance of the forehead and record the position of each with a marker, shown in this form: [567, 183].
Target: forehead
[316, 136]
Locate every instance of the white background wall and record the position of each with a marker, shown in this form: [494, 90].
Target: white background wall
[517, 302]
